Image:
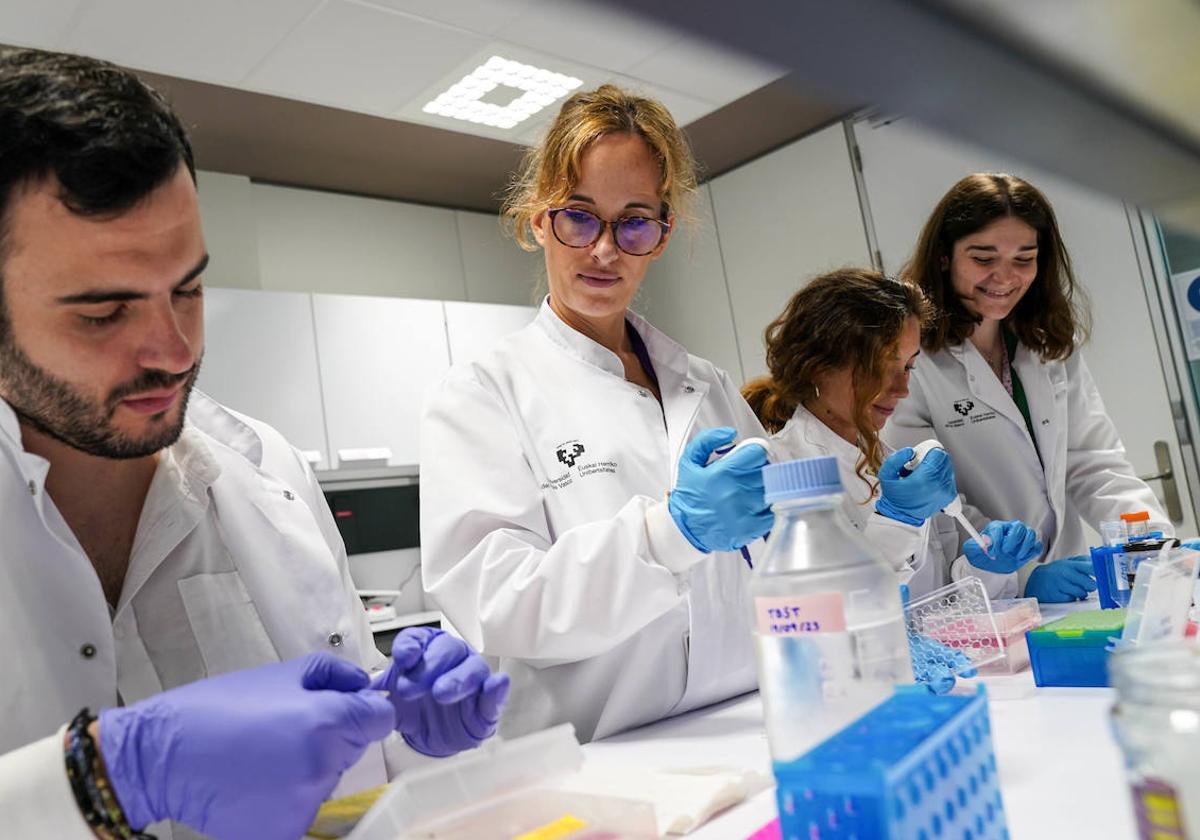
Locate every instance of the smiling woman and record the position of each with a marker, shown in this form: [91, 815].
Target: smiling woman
[1005, 388]
[570, 522]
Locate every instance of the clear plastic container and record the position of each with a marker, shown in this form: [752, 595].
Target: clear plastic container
[829, 628]
[1137, 525]
[1156, 721]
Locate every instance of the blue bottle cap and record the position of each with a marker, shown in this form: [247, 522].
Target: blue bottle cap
[803, 478]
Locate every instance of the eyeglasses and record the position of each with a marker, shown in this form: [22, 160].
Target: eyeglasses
[635, 235]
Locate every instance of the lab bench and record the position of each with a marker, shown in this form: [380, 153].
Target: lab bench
[1061, 771]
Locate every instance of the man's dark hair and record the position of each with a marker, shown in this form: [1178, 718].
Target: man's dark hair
[106, 137]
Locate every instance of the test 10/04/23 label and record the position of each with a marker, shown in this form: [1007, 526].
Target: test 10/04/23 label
[799, 615]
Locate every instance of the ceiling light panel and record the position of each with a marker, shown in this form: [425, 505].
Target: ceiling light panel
[502, 93]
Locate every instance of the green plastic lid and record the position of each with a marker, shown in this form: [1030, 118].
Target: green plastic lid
[1086, 621]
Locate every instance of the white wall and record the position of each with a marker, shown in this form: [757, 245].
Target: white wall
[782, 219]
[685, 295]
[496, 269]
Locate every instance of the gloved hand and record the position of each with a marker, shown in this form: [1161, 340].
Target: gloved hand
[935, 665]
[1069, 579]
[249, 754]
[720, 506]
[919, 495]
[1194, 545]
[446, 698]
[1013, 544]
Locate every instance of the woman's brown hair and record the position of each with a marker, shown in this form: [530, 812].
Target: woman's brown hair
[849, 318]
[550, 170]
[1051, 317]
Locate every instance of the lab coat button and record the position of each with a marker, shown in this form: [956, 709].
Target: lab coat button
[289, 495]
[335, 639]
[32, 487]
[642, 392]
[688, 389]
[87, 651]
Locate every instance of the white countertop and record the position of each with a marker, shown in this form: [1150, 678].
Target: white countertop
[1061, 772]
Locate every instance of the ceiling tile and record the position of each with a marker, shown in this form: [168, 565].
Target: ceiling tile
[362, 58]
[36, 23]
[483, 16]
[215, 40]
[411, 112]
[705, 70]
[683, 108]
[588, 33]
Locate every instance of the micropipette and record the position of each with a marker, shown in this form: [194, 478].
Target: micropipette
[955, 507]
[731, 447]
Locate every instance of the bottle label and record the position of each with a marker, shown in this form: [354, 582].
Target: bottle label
[823, 612]
[1157, 809]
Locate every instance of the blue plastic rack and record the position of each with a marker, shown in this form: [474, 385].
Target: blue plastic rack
[916, 767]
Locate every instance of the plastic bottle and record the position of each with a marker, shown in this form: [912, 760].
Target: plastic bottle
[829, 626]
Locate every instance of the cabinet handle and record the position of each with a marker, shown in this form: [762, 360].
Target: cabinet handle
[1166, 474]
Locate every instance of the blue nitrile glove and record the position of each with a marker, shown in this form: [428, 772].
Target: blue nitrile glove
[720, 506]
[934, 664]
[919, 495]
[249, 754]
[1194, 545]
[1069, 579]
[446, 698]
[1013, 544]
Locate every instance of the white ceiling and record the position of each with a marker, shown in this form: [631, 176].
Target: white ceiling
[389, 57]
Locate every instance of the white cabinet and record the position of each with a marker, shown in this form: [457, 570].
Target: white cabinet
[473, 328]
[782, 219]
[311, 241]
[378, 356]
[260, 358]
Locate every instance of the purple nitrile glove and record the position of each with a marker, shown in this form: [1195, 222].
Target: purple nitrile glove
[249, 754]
[446, 698]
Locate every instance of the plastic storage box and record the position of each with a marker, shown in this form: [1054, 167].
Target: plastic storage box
[1014, 617]
[914, 766]
[1073, 651]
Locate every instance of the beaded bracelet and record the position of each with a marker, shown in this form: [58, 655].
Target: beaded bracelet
[89, 783]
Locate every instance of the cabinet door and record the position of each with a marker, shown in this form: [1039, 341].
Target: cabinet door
[473, 328]
[378, 357]
[260, 358]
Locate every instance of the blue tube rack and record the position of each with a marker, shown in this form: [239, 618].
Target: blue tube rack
[916, 767]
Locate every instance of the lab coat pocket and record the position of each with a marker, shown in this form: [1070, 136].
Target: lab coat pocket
[228, 629]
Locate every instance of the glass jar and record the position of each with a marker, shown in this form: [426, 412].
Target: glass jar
[1156, 720]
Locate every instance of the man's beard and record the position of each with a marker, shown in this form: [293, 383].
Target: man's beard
[55, 408]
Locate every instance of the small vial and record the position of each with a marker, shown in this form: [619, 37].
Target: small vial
[1137, 525]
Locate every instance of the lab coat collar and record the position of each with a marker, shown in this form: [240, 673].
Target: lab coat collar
[821, 437]
[663, 351]
[226, 426]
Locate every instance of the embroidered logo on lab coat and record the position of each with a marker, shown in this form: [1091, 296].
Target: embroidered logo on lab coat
[963, 407]
[569, 453]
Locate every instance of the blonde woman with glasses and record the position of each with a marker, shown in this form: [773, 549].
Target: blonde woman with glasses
[572, 526]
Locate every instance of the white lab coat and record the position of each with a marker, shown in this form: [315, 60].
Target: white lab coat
[916, 553]
[274, 585]
[956, 398]
[546, 538]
